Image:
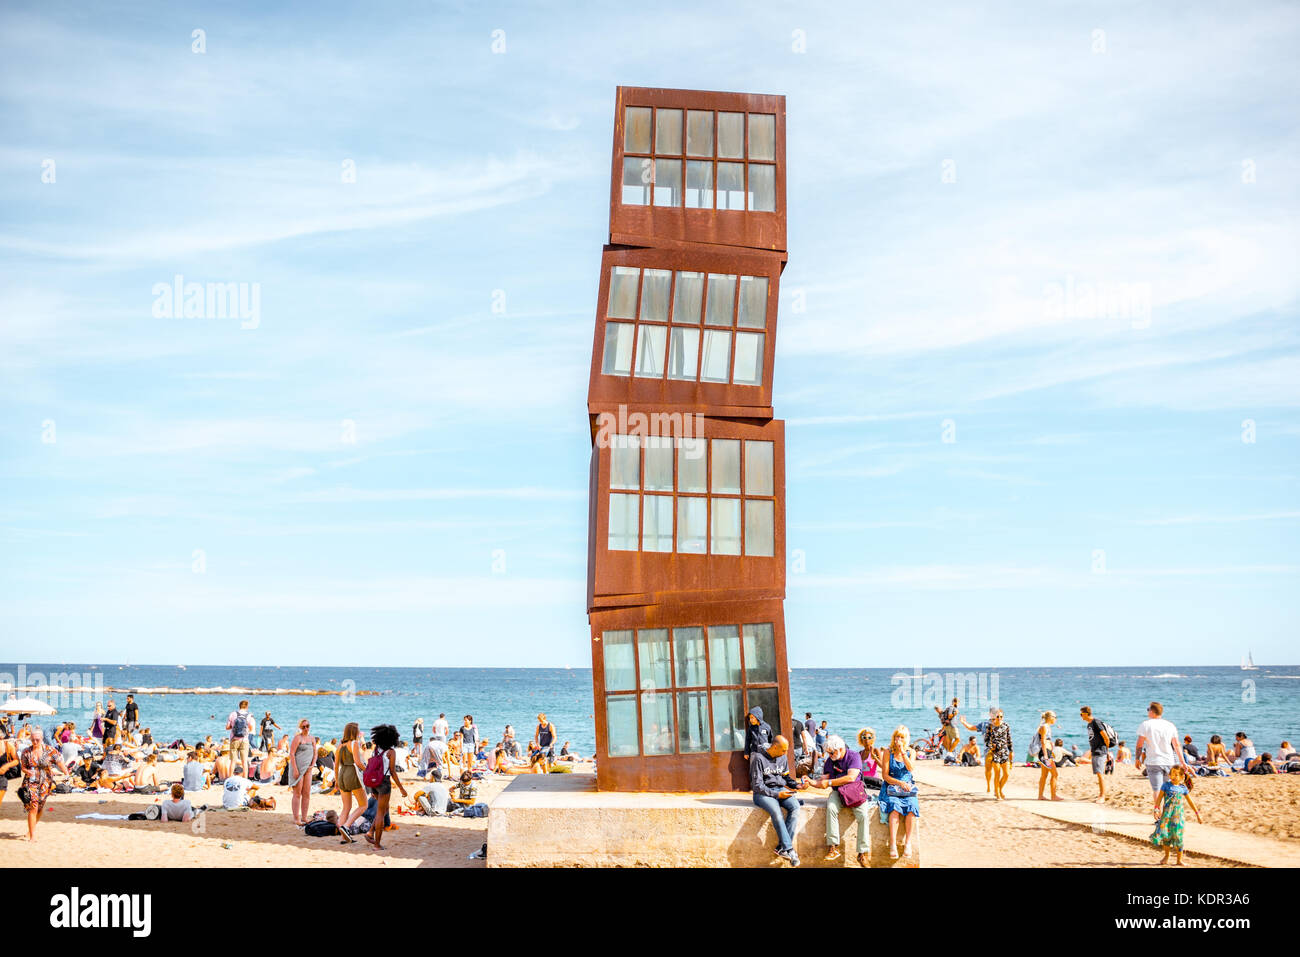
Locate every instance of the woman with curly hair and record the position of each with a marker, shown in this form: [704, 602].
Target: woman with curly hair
[385, 739]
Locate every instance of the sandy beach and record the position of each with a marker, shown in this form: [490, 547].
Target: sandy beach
[958, 829]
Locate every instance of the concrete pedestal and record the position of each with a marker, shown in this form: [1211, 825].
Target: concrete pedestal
[561, 820]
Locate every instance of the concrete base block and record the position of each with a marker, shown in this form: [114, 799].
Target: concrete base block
[561, 820]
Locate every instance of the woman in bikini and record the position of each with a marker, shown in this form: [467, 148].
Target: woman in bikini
[1049, 770]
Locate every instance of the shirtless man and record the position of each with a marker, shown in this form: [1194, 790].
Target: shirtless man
[146, 773]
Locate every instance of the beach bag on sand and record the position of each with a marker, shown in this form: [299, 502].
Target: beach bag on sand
[374, 773]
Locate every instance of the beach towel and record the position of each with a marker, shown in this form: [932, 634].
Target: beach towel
[96, 816]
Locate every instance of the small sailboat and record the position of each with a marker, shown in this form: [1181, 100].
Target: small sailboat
[1248, 663]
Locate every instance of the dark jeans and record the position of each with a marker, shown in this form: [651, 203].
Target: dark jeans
[784, 826]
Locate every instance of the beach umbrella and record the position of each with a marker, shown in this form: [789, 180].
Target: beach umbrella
[26, 706]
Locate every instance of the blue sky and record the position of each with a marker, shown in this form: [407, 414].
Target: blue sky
[187, 490]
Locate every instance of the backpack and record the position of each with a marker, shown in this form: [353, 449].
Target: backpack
[373, 776]
[1110, 734]
[239, 729]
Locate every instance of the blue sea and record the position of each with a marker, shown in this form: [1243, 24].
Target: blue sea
[1201, 701]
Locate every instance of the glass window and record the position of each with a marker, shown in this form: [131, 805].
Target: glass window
[753, 302]
[762, 136]
[620, 667]
[728, 721]
[691, 465]
[749, 358]
[618, 348]
[659, 464]
[699, 132]
[725, 537]
[726, 467]
[692, 521]
[717, 355]
[760, 655]
[762, 187]
[731, 186]
[724, 655]
[636, 129]
[624, 462]
[758, 467]
[651, 342]
[657, 524]
[731, 135]
[688, 298]
[699, 184]
[620, 725]
[693, 722]
[656, 663]
[637, 174]
[622, 292]
[683, 352]
[623, 511]
[656, 723]
[765, 698]
[668, 131]
[668, 182]
[722, 300]
[655, 287]
[758, 527]
[688, 649]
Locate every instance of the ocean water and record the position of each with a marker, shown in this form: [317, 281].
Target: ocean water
[1201, 701]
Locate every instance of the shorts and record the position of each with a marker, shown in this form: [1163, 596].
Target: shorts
[1158, 775]
[1099, 762]
[385, 788]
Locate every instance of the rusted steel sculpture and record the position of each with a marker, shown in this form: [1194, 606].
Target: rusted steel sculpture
[686, 550]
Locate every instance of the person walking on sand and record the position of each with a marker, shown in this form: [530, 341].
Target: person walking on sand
[1157, 749]
[240, 725]
[1046, 757]
[302, 758]
[1169, 818]
[269, 727]
[982, 727]
[38, 763]
[1100, 737]
[348, 774]
[380, 776]
[544, 737]
[998, 751]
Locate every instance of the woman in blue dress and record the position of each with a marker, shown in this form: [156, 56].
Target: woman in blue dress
[898, 795]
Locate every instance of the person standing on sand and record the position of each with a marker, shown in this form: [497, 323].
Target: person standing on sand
[998, 751]
[982, 727]
[348, 770]
[441, 729]
[417, 735]
[130, 717]
[240, 726]
[111, 717]
[544, 738]
[469, 739]
[38, 763]
[1158, 750]
[302, 758]
[269, 727]
[9, 768]
[385, 740]
[1100, 738]
[1046, 758]
[1169, 819]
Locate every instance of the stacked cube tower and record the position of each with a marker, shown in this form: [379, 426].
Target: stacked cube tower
[686, 552]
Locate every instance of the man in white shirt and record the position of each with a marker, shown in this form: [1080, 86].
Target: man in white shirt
[441, 728]
[236, 792]
[1159, 748]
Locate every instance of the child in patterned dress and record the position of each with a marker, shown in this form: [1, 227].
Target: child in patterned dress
[1169, 826]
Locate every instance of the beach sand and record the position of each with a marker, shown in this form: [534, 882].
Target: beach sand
[957, 830]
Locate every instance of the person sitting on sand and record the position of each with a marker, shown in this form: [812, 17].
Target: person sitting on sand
[431, 799]
[237, 790]
[1263, 765]
[1243, 752]
[116, 768]
[567, 755]
[178, 808]
[1285, 752]
[193, 775]
[970, 754]
[1216, 752]
[503, 765]
[1190, 753]
[146, 775]
[1169, 813]
[222, 767]
[466, 792]
[1047, 760]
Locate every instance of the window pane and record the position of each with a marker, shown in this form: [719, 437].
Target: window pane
[683, 351]
[753, 301]
[618, 349]
[699, 132]
[725, 539]
[722, 300]
[657, 723]
[622, 522]
[724, 655]
[760, 656]
[668, 131]
[651, 342]
[690, 466]
[693, 722]
[668, 182]
[637, 174]
[731, 135]
[728, 721]
[758, 528]
[726, 467]
[620, 668]
[758, 468]
[765, 698]
[699, 184]
[622, 292]
[657, 524]
[717, 355]
[659, 463]
[620, 719]
[749, 358]
[688, 298]
[688, 649]
[624, 462]
[655, 287]
[656, 665]
[731, 186]
[692, 517]
[762, 187]
[762, 136]
[636, 129]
